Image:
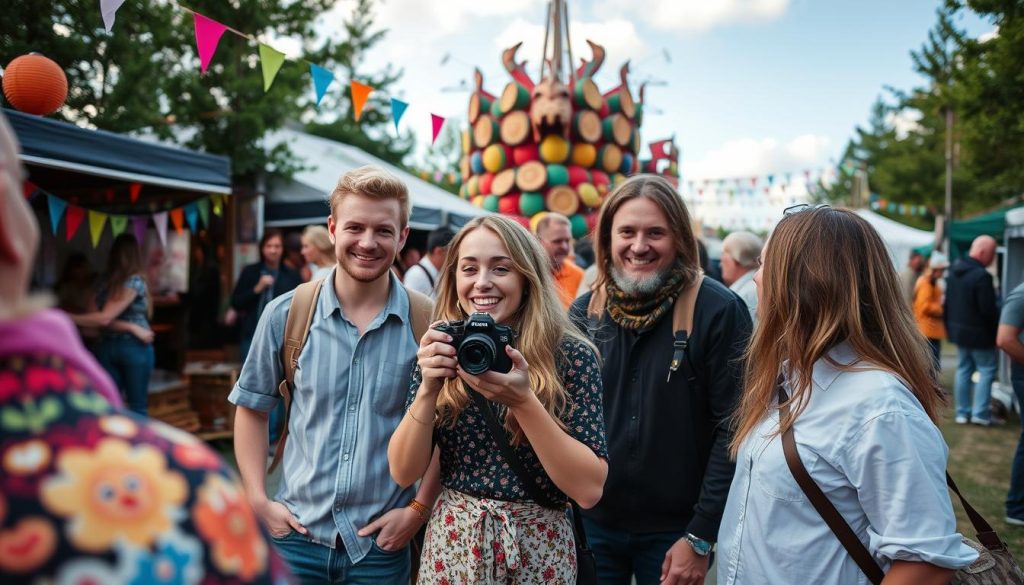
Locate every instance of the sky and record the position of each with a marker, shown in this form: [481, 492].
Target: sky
[747, 87]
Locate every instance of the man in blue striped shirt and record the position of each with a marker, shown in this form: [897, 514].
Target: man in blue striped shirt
[338, 517]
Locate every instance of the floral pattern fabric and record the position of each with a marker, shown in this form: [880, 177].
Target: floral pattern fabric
[473, 541]
[90, 493]
[470, 459]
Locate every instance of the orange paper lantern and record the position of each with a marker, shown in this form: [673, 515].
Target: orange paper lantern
[35, 84]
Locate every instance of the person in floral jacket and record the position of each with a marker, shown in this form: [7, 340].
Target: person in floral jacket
[89, 491]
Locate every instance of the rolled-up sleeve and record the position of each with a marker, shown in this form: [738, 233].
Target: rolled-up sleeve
[256, 387]
[897, 464]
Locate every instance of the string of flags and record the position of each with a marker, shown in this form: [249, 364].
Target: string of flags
[209, 32]
[193, 215]
[764, 183]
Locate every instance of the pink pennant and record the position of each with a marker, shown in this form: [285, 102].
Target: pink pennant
[437, 122]
[208, 33]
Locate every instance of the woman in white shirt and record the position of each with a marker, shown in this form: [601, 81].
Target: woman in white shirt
[318, 251]
[863, 396]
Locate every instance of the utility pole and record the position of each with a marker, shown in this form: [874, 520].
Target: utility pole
[948, 221]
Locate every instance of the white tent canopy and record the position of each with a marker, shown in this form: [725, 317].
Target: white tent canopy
[900, 239]
[302, 199]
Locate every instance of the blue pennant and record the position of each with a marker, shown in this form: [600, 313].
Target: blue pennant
[322, 78]
[397, 110]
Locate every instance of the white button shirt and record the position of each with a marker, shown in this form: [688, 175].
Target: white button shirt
[869, 445]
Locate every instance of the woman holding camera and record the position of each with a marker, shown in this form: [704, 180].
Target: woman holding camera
[837, 366]
[486, 527]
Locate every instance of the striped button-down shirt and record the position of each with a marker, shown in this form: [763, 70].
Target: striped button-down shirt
[348, 399]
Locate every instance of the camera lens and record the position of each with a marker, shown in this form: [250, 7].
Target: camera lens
[476, 354]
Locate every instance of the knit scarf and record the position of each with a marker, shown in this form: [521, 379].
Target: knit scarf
[636, 312]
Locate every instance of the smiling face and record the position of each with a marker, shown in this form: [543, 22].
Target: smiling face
[642, 249]
[485, 278]
[366, 235]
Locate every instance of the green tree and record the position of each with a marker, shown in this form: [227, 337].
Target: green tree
[375, 132]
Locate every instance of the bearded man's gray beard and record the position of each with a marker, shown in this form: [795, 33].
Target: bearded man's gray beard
[638, 288]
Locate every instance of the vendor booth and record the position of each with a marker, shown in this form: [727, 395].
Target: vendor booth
[302, 200]
[86, 187]
[899, 238]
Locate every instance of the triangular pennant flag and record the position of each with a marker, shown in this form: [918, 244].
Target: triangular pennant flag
[360, 91]
[208, 33]
[203, 205]
[192, 216]
[436, 121]
[321, 79]
[218, 204]
[270, 61]
[57, 207]
[97, 220]
[108, 9]
[29, 189]
[118, 223]
[139, 224]
[397, 110]
[160, 221]
[75, 215]
[178, 219]
[134, 191]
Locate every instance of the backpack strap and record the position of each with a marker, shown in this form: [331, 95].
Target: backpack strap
[421, 308]
[682, 323]
[296, 331]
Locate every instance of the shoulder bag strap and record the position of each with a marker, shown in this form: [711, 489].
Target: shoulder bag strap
[421, 308]
[860, 554]
[296, 331]
[985, 533]
[682, 323]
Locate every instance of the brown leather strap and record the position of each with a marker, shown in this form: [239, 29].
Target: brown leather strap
[821, 503]
[983, 530]
[682, 323]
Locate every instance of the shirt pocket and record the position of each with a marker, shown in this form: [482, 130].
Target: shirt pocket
[771, 472]
[392, 387]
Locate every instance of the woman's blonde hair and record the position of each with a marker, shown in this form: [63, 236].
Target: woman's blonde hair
[539, 321]
[827, 278]
[318, 237]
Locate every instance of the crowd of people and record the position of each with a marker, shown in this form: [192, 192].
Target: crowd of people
[645, 412]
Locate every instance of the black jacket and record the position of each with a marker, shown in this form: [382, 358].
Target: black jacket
[244, 300]
[669, 466]
[970, 309]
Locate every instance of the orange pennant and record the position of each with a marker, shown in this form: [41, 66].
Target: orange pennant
[178, 219]
[360, 92]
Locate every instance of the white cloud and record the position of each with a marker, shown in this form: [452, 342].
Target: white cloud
[988, 36]
[748, 157]
[697, 15]
[436, 18]
[904, 121]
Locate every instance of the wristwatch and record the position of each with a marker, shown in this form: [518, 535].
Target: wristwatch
[699, 545]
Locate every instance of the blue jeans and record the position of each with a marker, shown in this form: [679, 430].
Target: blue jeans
[620, 554]
[984, 361]
[129, 362]
[316, 564]
[1015, 497]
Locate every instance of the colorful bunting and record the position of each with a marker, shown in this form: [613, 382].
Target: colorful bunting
[203, 205]
[192, 216]
[75, 215]
[322, 78]
[160, 221]
[397, 110]
[97, 221]
[108, 10]
[218, 204]
[208, 33]
[57, 207]
[270, 61]
[134, 191]
[360, 92]
[118, 223]
[139, 224]
[178, 219]
[436, 121]
[29, 189]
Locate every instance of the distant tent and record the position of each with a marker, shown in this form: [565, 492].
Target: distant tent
[898, 237]
[962, 232]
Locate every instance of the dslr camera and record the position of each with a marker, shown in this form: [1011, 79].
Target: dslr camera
[480, 343]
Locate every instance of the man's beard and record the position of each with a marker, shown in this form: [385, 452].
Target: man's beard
[362, 275]
[642, 287]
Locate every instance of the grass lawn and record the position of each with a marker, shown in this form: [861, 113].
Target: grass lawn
[979, 461]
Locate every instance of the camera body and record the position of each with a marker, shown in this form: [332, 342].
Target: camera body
[480, 343]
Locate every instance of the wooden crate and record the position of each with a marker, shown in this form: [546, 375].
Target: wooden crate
[209, 385]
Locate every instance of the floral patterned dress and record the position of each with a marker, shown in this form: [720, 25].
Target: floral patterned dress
[484, 527]
[90, 493]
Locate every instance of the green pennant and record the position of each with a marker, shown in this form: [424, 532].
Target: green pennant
[118, 223]
[270, 60]
[203, 205]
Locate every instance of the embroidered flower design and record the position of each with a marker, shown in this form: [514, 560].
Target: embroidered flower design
[119, 425]
[115, 491]
[26, 458]
[177, 560]
[223, 517]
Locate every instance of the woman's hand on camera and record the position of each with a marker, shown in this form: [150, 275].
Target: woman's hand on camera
[436, 358]
[511, 389]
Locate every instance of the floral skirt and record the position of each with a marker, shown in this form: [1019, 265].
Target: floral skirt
[477, 540]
